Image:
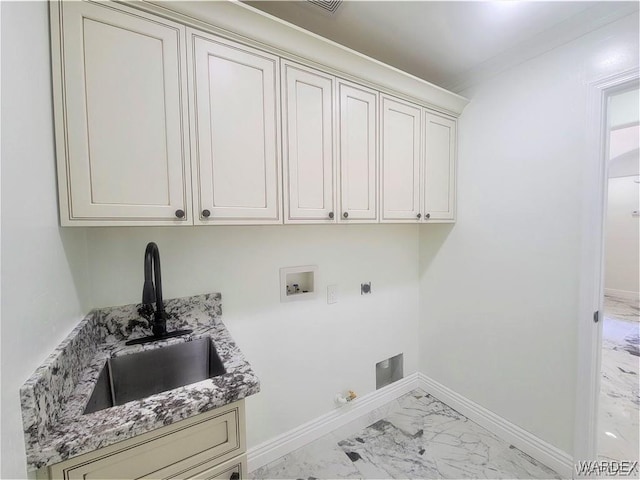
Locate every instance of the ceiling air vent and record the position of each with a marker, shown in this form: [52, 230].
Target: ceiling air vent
[328, 5]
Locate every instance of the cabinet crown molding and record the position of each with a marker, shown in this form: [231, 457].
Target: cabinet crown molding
[246, 24]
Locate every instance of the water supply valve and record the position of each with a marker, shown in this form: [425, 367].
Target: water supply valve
[342, 399]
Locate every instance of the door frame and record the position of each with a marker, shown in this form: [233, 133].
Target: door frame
[591, 290]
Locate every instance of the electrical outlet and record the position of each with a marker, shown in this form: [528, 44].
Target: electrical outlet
[332, 294]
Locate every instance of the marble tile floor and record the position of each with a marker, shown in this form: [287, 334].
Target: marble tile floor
[415, 436]
[619, 408]
[621, 308]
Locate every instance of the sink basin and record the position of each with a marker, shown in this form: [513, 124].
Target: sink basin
[139, 375]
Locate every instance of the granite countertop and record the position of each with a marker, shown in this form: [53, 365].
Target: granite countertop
[55, 396]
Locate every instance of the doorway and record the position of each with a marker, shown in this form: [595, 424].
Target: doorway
[619, 398]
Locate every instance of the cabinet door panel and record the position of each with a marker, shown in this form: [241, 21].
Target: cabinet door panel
[180, 450]
[234, 468]
[439, 194]
[308, 143]
[236, 153]
[400, 160]
[124, 125]
[358, 152]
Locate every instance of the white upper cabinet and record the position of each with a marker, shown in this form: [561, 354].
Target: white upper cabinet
[235, 149]
[307, 113]
[440, 173]
[121, 124]
[400, 160]
[158, 123]
[357, 152]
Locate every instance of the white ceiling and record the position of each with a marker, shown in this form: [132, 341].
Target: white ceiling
[452, 44]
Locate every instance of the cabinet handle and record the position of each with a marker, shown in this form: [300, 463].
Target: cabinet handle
[330, 214]
[234, 476]
[428, 215]
[345, 215]
[206, 213]
[180, 213]
[419, 215]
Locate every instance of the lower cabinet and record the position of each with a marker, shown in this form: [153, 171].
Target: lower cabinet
[234, 469]
[207, 446]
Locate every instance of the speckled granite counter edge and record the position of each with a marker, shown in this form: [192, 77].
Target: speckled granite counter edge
[54, 397]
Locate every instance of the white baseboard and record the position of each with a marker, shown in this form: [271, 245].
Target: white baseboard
[287, 442]
[628, 295]
[533, 446]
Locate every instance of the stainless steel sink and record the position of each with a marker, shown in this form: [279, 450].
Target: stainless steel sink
[139, 375]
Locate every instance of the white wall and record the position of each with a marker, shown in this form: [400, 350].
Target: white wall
[303, 352]
[44, 270]
[622, 240]
[622, 234]
[499, 291]
[624, 108]
[623, 141]
[625, 165]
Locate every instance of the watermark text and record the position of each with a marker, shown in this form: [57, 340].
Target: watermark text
[606, 468]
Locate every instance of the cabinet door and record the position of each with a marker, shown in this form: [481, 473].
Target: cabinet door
[308, 144]
[357, 152]
[234, 469]
[439, 181]
[234, 104]
[121, 124]
[400, 160]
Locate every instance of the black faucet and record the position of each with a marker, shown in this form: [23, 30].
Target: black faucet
[152, 293]
[152, 290]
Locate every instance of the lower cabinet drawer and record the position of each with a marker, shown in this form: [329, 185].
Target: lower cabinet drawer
[234, 469]
[169, 452]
